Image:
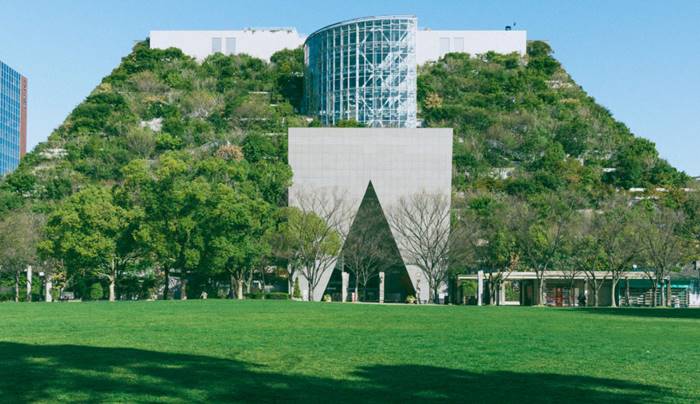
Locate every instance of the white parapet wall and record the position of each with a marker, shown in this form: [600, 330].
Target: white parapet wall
[261, 43]
[432, 45]
[400, 162]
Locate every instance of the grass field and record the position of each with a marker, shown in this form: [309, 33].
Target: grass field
[291, 351]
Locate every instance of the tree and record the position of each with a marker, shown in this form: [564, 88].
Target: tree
[288, 70]
[421, 225]
[493, 223]
[285, 251]
[296, 294]
[585, 255]
[666, 247]
[172, 197]
[317, 226]
[541, 235]
[141, 142]
[89, 233]
[616, 233]
[315, 243]
[20, 233]
[235, 228]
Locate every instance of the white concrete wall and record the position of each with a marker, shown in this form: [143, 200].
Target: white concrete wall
[263, 43]
[430, 46]
[255, 42]
[400, 162]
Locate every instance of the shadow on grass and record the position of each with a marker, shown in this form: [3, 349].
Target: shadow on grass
[657, 312]
[81, 373]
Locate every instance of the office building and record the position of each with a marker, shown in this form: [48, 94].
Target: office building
[13, 118]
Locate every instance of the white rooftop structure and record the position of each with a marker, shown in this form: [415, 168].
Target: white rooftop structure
[261, 43]
[264, 42]
[432, 45]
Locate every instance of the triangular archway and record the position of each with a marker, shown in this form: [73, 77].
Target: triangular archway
[370, 248]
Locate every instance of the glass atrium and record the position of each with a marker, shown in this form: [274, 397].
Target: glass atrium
[363, 70]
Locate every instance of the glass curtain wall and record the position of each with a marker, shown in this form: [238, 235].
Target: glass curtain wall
[363, 70]
[10, 84]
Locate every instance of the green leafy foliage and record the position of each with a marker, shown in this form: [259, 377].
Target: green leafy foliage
[525, 127]
[95, 292]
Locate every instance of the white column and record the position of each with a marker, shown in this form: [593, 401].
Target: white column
[29, 283]
[480, 287]
[381, 287]
[345, 281]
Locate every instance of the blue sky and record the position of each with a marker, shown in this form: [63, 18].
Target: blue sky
[640, 59]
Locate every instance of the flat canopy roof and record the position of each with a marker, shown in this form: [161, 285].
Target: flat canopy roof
[361, 19]
[514, 276]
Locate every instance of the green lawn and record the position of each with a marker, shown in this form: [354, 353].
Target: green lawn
[313, 352]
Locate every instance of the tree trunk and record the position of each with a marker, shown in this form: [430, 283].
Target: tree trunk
[48, 298]
[312, 285]
[232, 287]
[613, 287]
[112, 281]
[596, 295]
[669, 293]
[29, 283]
[183, 287]
[541, 291]
[499, 285]
[239, 289]
[357, 289]
[17, 275]
[112, 296]
[249, 284]
[572, 298]
[166, 289]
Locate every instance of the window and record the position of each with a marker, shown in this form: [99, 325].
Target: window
[216, 45]
[459, 44]
[231, 46]
[444, 45]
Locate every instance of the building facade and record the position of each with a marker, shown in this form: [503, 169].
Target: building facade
[432, 45]
[260, 43]
[577, 289]
[13, 118]
[363, 69]
[350, 165]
